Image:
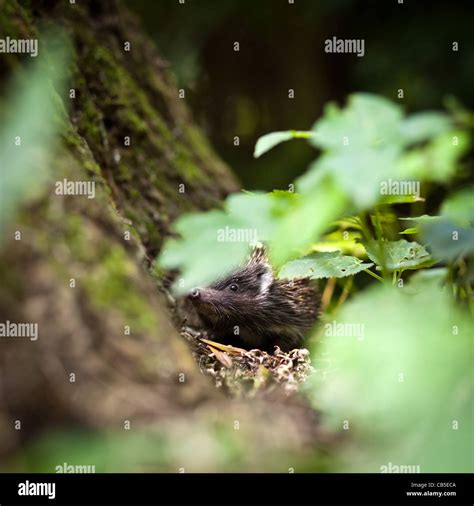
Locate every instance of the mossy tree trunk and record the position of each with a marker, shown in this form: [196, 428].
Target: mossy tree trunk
[108, 353]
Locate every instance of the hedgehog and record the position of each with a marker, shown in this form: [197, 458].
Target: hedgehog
[251, 308]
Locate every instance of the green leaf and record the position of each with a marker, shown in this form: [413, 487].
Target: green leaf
[425, 218]
[361, 146]
[400, 199]
[211, 245]
[254, 211]
[447, 240]
[409, 231]
[398, 255]
[312, 178]
[459, 207]
[324, 265]
[360, 173]
[424, 126]
[269, 141]
[427, 279]
[367, 121]
[398, 366]
[307, 220]
[345, 240]
[438, 161]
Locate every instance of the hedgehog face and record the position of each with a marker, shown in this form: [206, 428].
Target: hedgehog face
[232, 299]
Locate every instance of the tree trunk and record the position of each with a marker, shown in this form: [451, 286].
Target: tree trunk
[108, 355]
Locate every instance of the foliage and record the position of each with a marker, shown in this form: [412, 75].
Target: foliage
[363, 146]
[324, 264]
[398, 255]
[268, 141]
[405, 382]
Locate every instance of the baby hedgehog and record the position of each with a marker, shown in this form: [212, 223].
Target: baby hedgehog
[250, 308]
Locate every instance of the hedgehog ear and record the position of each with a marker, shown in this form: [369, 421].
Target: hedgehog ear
[266, 278]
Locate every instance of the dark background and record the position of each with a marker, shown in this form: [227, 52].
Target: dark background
[245, 93]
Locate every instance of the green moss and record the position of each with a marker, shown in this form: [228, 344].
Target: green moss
[91, 122]
[187, 168]
[153, 233]
[137, 116]
[199, 142]
[124, 171]
[71, 139]
[102, 269]
[92, 166]
[134, 122]
[15, 20]
[109, 286]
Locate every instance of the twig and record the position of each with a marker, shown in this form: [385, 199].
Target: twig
[328, 293]
[345, 292]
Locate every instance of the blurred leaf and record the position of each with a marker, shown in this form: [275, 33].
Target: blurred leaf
[346, 241]
[438, 160]
[401, 382]
[399, 199]
[268, 141]
[306, 221]
[459, 207]
[427, 279]
[425, 218]
[323, 265]
[211, 245]
[261, 210]
[367, 121]
[254, 211]
[29, 127]
[312, 178]
[359, 173]
[398, 255]
[447, 240]
[361, 144]
[459, 112]
[424, 125]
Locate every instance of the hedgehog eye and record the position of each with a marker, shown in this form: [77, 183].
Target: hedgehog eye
[234, 287]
